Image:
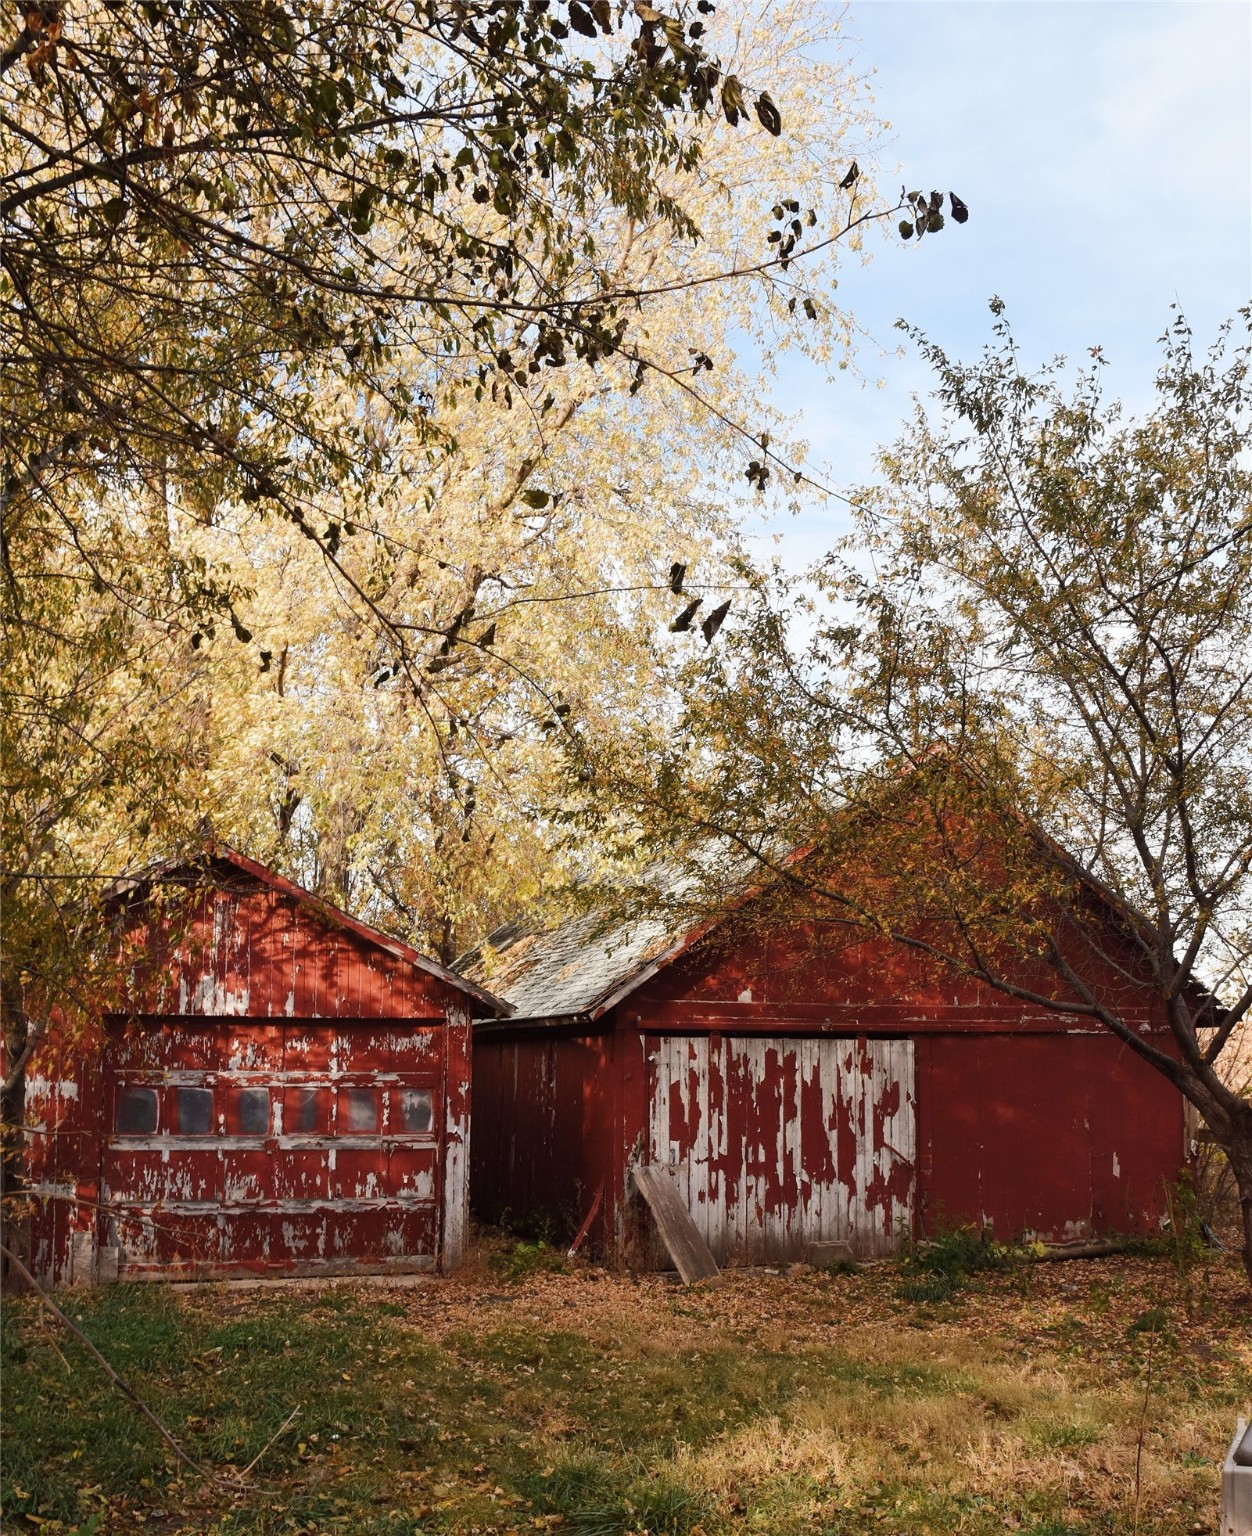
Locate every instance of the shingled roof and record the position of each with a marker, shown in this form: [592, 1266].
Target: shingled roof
[579, 968]
[585, 965]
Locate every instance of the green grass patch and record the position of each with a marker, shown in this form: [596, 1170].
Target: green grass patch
[796, 1406]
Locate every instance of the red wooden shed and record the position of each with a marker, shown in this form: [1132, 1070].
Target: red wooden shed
[279, 1089]
[806, 1091]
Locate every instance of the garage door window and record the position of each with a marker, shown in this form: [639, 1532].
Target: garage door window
[251, 1111]
[415, 1110]
[305, 1112]
[358, 1111]
[136, 1112]
[195, 1111]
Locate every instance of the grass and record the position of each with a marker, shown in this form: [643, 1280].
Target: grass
[596, 1405]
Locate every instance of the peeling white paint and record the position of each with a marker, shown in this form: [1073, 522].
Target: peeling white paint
[700, 1087]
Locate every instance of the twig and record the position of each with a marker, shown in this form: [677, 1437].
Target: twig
[127, 1392]
[1143, 1425]
[286, 1422]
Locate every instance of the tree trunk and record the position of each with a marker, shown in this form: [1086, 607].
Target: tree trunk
[1228, 1116]
[1239, 1155]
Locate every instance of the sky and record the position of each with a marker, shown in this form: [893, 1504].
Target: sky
[1104, 148]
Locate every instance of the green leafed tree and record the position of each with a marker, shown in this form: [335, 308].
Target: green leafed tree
[1020, 694]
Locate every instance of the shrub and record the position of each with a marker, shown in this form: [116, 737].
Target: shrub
[524, 1259]
[936, 1270]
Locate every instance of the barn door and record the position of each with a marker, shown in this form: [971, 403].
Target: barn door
[779, 1144]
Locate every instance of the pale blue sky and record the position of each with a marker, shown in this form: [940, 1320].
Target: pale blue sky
[1105, 150]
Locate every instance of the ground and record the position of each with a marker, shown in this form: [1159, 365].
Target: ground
[522, 1399]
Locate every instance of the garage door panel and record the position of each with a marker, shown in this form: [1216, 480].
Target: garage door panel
[780, 1143]
[247, 1238]
[301, 1173]
[416, 1050]
[412, 1172]
[247, 1175]
[409, 1229]
[310, 1048]
[275, 1157]
[302, 1235]
[161, 1238]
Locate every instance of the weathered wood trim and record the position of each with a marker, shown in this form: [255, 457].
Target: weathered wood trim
[458, 1067]
[682, 1237]
[683, 1017]
[559, 1025]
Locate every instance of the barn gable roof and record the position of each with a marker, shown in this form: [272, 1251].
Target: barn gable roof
[583, 967]
[329, 914]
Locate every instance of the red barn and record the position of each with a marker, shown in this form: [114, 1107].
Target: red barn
[280, 1090]
[806, 1091]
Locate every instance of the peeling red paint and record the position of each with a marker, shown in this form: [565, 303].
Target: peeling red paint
[280, 1091]
[807, 1090]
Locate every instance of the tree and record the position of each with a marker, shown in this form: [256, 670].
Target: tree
[525, 563]
[1024, 691]
[212, 215]
[93, 741]
[271, 276]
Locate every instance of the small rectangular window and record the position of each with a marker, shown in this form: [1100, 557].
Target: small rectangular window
[304, 1112]
[362, 1111]
[195, 1111]
[416, 1110]
[136, 1111]
[252, 1111]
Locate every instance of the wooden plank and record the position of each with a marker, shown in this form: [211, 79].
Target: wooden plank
[679, 1232]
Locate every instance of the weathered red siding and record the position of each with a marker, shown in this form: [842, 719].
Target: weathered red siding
[543, 1128]
[281, 1090]
[1068, 1135]
[290, 1196]
[738, 1065]
[783, 1142]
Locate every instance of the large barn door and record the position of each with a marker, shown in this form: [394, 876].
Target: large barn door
[779, 1144]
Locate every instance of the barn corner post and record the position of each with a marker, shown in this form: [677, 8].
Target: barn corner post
[458, 1069]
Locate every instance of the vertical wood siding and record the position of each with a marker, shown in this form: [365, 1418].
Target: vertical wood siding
[252, 952]
[543, 1130]
[779, 1143]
